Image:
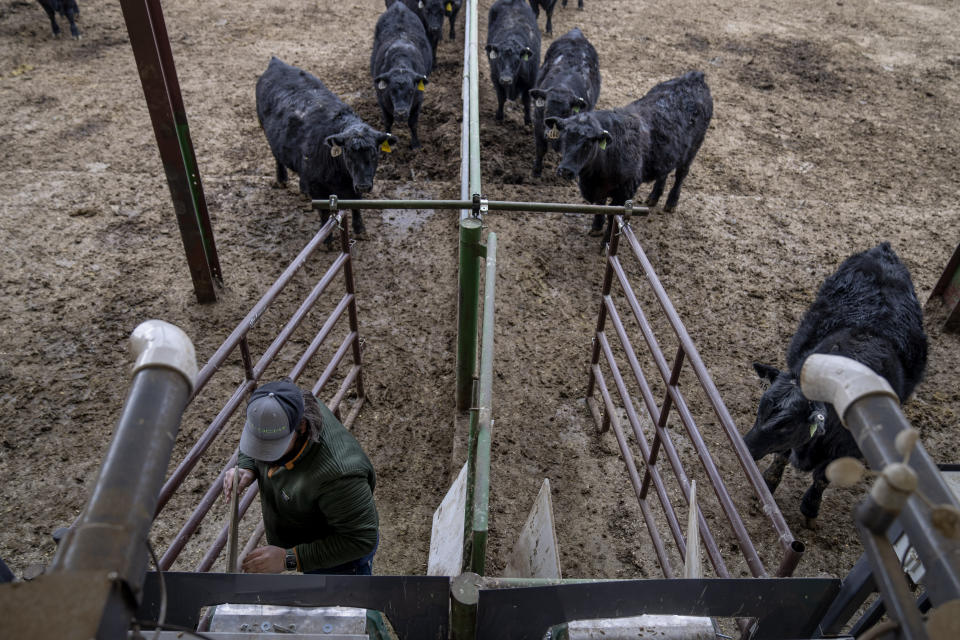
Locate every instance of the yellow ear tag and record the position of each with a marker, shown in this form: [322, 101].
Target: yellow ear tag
[420, 86]
[385, 147]
[603, 144]
[449, 6]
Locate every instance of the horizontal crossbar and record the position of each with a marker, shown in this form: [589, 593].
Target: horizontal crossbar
[335, 204]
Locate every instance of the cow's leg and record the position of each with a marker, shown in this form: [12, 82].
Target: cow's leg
[674, 194]
[550, 21]
[281, 173]
[501, 98]
[579, 5]
[328, 241]
[541, 151]
[810, 504]
[452, 35]
[71, 14]
[53, 20]
[525, 98]
[359, 231]
[412, 123]
[654, 196]
[596, 227]
[773, 474]
[387, 119]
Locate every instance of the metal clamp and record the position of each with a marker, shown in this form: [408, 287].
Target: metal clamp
[334, 205]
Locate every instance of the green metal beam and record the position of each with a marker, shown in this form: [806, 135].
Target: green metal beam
[481, 494]
[468, 302]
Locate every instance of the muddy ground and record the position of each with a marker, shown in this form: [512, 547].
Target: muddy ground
[834, 129]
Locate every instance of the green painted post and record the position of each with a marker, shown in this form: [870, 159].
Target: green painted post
[481, 486]
[468, 303]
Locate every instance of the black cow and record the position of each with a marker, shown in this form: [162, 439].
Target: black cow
[66, 8]
[548, 6]
[311, 131]
[451, 8]
[613, 152]
[513, 48]
[568, 83]
[399, 64]
[867, 311]
[431, 15]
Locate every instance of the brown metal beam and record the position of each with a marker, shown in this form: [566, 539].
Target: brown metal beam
[151, 49]
[948, 290]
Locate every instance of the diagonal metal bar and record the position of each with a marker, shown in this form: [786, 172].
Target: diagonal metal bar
[658, 545]
[709, 542]
[158, 75]
[749, 467]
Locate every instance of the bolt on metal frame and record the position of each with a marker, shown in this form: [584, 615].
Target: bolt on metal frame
[659, 414]
[237, 340]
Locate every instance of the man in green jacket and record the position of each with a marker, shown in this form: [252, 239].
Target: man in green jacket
[316, 485]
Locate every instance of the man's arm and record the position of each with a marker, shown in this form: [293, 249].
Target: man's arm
[348, 506]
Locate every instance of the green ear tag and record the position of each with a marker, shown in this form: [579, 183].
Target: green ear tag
[813, 429]
[420, 86]
[385, 147]
[576, 109]
[603, 144]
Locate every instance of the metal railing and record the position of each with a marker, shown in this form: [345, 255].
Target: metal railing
[481, 425]
[238, 340]
[673, 397]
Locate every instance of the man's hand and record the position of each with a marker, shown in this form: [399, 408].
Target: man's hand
[265, 560]
[246, 479]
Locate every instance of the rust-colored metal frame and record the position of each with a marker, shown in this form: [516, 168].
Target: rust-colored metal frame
[650, 451]
[948, 290]
[158, 75]
[253, 371]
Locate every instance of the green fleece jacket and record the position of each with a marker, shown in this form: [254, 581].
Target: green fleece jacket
[321, 502]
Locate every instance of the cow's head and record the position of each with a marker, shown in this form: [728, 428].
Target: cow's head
[785, 418]
[506, 60]
[433, 13]
[582, 137]
[403, 88]
[557, 103]
[358, 147]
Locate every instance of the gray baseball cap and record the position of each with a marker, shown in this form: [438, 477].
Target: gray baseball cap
[273, 414]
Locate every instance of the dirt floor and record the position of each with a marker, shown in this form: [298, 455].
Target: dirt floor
[834, 129]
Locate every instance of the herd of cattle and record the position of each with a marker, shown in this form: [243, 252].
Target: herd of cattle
[867, 310]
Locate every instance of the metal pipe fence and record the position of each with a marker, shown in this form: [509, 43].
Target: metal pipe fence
[668, 375]
[238, 341]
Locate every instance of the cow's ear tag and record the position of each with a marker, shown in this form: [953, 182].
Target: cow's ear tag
[420, 86]
[493, 55]
[449, 6]
[382, 85]
[420, 4]
[813, 429]
[576, 109]
[385, 146]
[541, 103]
[526, 57]
[336, 150]
[603, 143]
